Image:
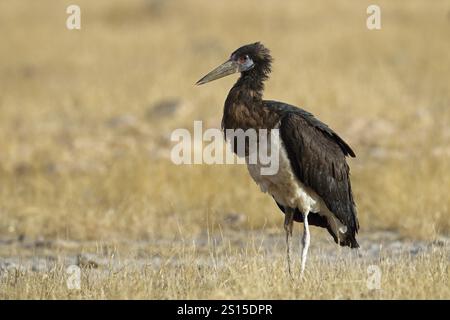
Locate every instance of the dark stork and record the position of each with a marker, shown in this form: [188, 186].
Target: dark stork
[312, 184]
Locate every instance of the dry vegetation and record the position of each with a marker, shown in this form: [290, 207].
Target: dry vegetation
[249, 274]
[84, 146]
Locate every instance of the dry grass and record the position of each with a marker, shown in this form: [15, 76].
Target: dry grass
[82, 159]
[248, 273]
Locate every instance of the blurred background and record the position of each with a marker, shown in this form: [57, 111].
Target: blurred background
[86, 115]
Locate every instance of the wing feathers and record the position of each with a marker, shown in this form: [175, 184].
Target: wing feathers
[317, 155]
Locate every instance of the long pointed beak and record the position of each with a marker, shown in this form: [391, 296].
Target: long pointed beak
[225, 69]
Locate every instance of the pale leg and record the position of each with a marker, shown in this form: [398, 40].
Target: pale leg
[305, 242]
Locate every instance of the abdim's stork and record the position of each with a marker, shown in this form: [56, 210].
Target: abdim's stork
[312, 184]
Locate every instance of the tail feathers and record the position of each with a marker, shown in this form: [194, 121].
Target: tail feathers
[344, 240]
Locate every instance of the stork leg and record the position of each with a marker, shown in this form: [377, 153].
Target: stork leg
[288, 226]
[305, 242]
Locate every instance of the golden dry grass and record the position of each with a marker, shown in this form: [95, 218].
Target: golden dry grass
[82, 159]
[243, 277]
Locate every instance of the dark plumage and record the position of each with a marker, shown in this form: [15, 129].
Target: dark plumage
[316, 153]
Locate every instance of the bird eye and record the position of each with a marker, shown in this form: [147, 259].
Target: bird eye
[242, 59]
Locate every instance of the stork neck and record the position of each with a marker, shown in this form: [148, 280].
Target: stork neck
[243, 100]
[251, 83]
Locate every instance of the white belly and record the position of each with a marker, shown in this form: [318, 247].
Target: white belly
[289, 191]
[285, 187]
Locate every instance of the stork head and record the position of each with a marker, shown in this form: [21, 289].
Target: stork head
[251, 58]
